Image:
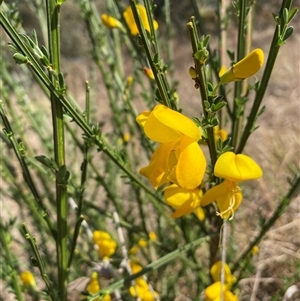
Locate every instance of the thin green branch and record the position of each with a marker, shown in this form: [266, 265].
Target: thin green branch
[53, 22]
[200, 69]
[273, 52]
[157, 74]
[40, 264]
[236, 121]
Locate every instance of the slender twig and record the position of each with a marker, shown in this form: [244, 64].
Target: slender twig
[273, 52]
[53, 22]
[236, 121]
[40, 263]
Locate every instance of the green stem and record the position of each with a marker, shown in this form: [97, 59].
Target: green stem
[157, 74]
[273, 52]
[40, 263]
[236, 122]
[18, 148]
[200, 68]
[73, 112]
[53, 22]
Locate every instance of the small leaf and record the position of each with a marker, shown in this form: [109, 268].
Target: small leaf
[13, 47]
[285, 15]
[292, 13]
[214, 121]
[276, 18]
[50, 163]
[45, 51]
[206, 104]
[287, 34]
[20, 58]
[261, 110]
[230, 55]
[217, 107]
[34, 37]
[28, 40]
[61, 81]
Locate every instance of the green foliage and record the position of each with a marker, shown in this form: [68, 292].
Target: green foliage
[70, 167]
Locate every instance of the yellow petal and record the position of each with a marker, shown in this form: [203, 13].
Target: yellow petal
[185, 201]
[213, 292]
[230, 202]
[191, 165]
[222, 71]
[200, 213]
[129, 18]
[215, 272]
[142, 118]
[164, 125]
[158, 165]
[177, 122]
[249, 65]
[214, 193]
[110, 22]
[245, 68]
[237, 167]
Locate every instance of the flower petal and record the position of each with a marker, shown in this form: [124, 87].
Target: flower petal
[191, 165]
[129, 18]
[177, 121]
[142, 118]
[237, 167]
[158, 165]
[214, 193]
[249, 65]
[215, 272]
[185, 201]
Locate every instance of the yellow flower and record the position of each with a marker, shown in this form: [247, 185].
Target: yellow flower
[178, 158]
[143, 243]
[255, 250]
[215, 272]
[200, 213]
[233, 168]
[126, 137]
[183, 200]
[222, 71]
[28, 279]
[129, 18]
[111, 22]
[94, 287]
[220, 134]
[152, 236]
[149, 73]
[245, 68]
[214, 291]
[141, 290]
[107, 245]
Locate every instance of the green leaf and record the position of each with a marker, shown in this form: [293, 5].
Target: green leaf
[217, 107]
[261, 111]
[292, 14]
[285, 15]
[34, 37]
[20, 58]
[50, 163]
[287, 34]
[276, 18]
[206, 104]
[230, 55]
